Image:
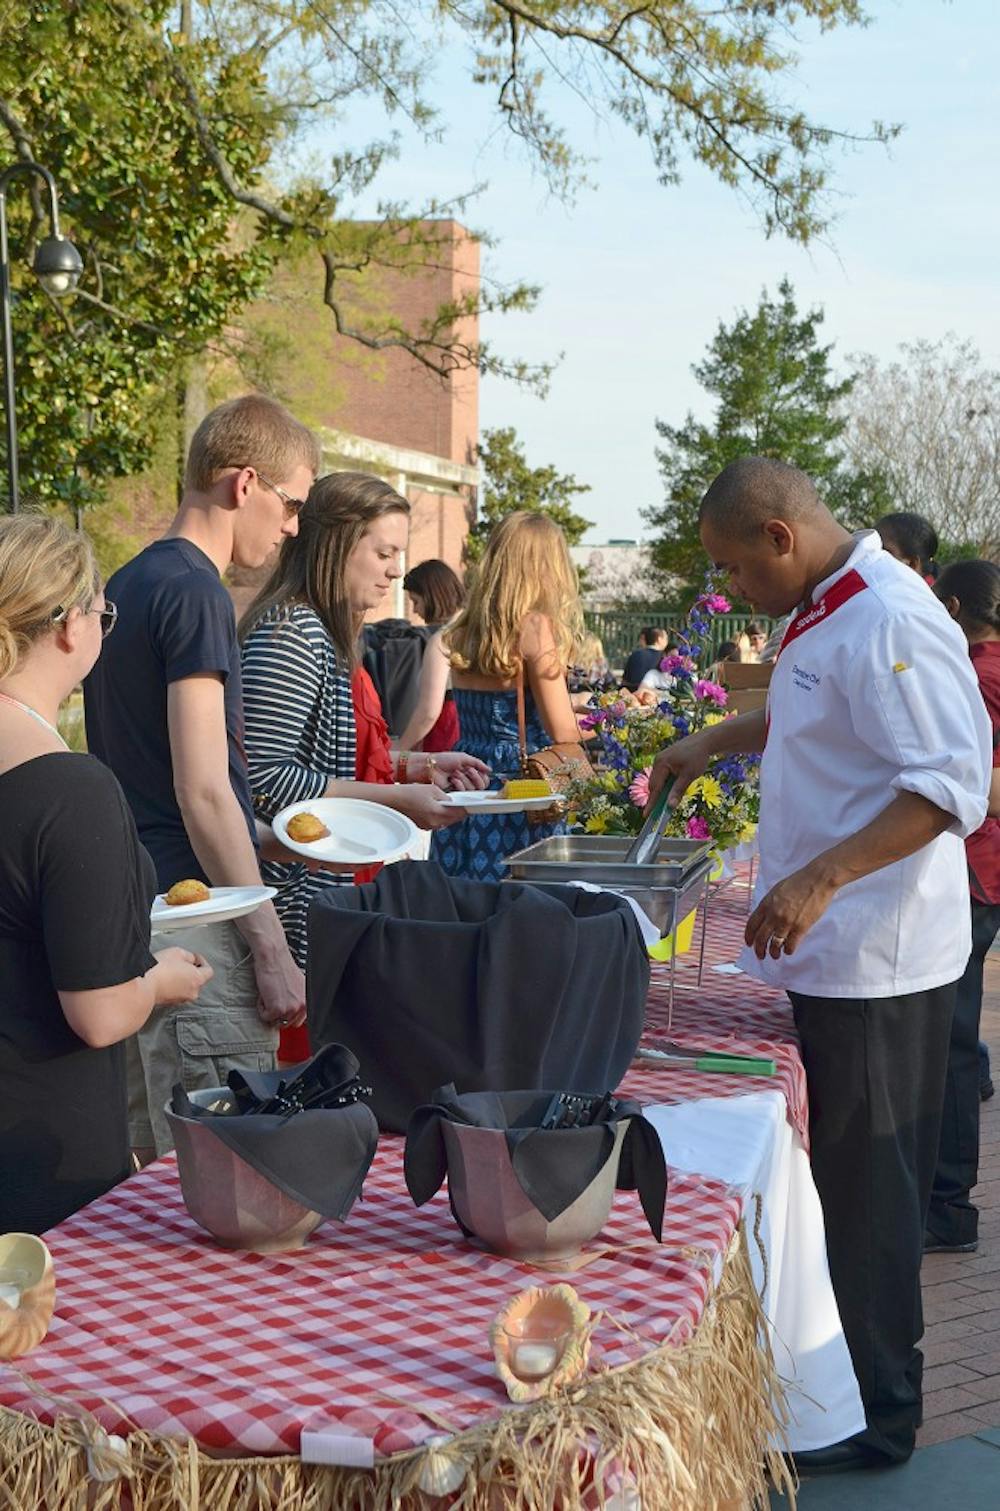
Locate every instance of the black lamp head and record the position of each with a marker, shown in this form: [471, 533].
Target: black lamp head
[57, 265]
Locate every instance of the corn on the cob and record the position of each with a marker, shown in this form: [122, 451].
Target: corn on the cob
[525, 788]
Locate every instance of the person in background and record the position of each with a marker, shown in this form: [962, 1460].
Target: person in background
[164, 710]
[77, 975]
[521, 620]
[313, 723]
[727, 651]
[912, 539]
[756, 637]
[970, 591]
[589, 672]
[645, 658]
[436, 592]
[876, 765]
[436, 595]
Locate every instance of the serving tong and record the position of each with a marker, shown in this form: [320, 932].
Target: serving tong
[642, 850]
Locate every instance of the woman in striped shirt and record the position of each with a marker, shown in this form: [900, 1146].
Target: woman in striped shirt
[313, 720]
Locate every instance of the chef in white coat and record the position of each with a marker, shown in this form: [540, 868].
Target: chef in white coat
[876, 764]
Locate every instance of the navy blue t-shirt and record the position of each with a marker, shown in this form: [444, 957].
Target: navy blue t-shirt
[642, 660]
[175, 620]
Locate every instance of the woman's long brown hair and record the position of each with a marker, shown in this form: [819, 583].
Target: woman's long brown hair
[311, 565]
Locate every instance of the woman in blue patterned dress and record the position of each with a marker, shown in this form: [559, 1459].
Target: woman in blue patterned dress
[523, 613]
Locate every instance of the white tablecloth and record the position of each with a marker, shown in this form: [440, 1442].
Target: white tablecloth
[749, 1143]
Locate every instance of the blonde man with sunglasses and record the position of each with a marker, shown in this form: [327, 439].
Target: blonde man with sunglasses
[165, 712]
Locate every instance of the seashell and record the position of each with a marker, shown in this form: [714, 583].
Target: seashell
[442, 1472]
[27, 1293]
[108, 1457]
[541, 1341]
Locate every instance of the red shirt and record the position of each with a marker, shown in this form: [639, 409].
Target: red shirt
[372, 763]
[983, 848]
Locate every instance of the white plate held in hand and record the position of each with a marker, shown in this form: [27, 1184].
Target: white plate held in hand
[495, 802]
[361, 833]
[223, 903]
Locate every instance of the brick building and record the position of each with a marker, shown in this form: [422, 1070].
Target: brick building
[382, 411]
[374, 411]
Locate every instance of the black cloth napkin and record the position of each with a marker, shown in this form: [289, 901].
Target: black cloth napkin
[553, 1165]
[431, 979]
[319, 1156]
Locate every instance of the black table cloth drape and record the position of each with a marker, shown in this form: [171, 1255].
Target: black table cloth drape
[494, 987]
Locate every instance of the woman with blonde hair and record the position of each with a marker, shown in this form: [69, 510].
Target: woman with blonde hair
[76, 973]
[521, 621]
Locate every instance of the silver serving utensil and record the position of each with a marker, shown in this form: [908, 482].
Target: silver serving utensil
[642, 850]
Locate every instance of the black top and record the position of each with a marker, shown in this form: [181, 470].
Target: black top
[75, 893]
[642, 660]
[175, 620]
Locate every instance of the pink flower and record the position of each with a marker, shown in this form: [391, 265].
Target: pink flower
[697, 828]
[639, 789]
[675, 663]
[711, 692]
[716, 604]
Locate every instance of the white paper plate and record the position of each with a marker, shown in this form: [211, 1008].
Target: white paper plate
[361, 833]
[492, 802]
[224, 903]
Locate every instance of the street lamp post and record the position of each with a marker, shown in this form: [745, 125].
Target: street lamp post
[57, 266]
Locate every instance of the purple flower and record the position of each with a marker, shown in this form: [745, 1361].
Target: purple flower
[711, 692]
[674, 663]
[715, 603]
[697, 829]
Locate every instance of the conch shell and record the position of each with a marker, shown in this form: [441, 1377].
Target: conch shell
[26, 1264]
[541, 1341]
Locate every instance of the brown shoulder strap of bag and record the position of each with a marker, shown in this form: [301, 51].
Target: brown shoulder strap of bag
[522, 725]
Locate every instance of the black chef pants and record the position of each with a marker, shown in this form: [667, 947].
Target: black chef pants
[876, 1069]
[952, 1217]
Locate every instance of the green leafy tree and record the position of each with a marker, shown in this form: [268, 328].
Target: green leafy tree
[776, 396]
[176, 134]
[509, 484]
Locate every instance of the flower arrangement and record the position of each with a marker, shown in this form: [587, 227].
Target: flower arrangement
[722, 805]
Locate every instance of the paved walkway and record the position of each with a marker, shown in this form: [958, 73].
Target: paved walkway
[957, 1462]
[962, 1291]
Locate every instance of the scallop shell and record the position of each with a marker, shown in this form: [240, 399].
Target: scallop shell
[26, 1263]
[442, 1471]
[545, 1312]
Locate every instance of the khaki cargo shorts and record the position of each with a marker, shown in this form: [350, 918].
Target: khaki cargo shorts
[198, 1043]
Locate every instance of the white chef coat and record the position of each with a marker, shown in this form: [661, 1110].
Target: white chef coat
[874, 695]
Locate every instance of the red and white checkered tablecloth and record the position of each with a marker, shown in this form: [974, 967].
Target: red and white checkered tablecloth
[379, 1327]
[380, 1324]
[736, 1014]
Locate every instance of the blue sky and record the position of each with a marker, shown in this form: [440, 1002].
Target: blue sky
[636, 278]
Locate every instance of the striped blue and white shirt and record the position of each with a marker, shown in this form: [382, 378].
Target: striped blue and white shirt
[300, 735]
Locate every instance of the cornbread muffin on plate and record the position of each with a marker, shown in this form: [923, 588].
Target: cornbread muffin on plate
[183, 893]
[306, 827]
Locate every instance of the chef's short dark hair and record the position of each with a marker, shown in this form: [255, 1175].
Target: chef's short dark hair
[754, 489]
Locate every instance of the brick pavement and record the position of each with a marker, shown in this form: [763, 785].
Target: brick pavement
[962, 1291]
